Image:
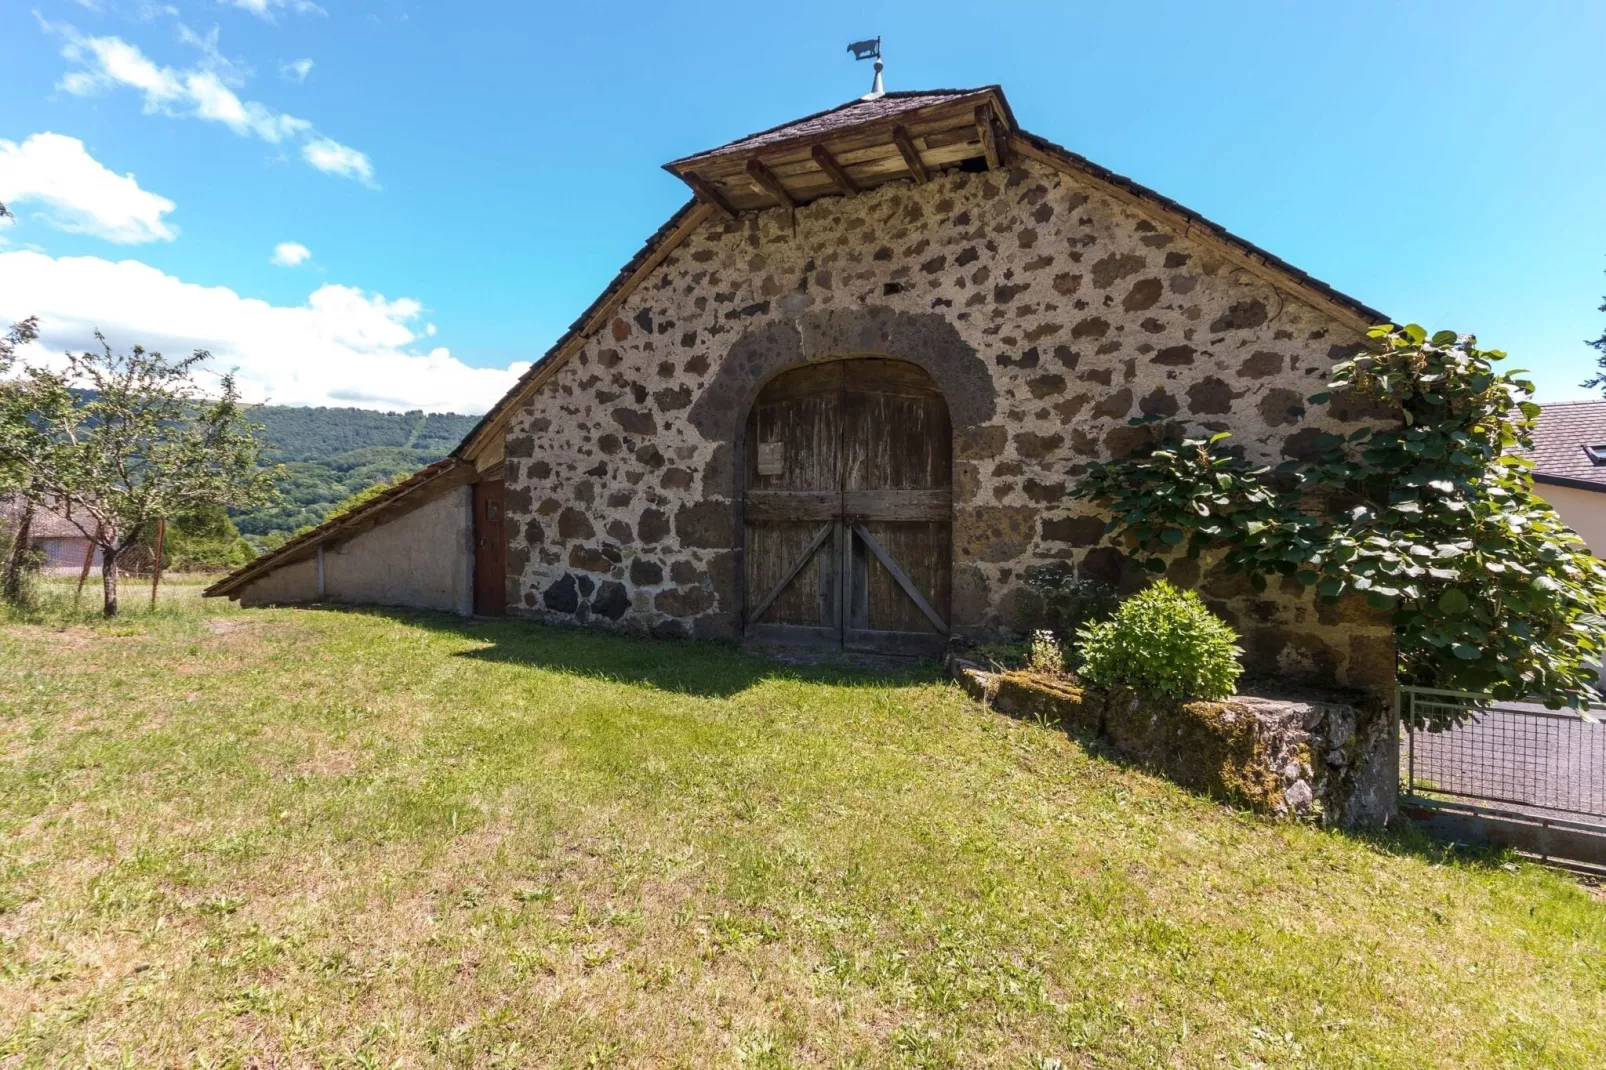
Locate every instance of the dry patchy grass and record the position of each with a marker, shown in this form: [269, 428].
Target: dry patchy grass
[323, 837]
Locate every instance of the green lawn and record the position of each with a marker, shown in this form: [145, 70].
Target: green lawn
[307, 837]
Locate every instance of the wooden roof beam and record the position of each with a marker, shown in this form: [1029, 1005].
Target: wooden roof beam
[911, 158]
[707, 193]
[989, 140]
[833, 170]
[770, 184]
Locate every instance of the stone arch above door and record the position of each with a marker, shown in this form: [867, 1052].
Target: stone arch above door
[757, 356]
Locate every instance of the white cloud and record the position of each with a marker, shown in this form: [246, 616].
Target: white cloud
[343, 346]
[290, 254]
[204, 92]
[297, 71]
[78, 194]
[267, 9]
[333, 158]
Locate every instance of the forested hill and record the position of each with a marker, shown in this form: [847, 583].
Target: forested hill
[330, 454]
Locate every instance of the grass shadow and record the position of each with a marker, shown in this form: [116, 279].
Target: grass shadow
[689, 667]
[1401, 838]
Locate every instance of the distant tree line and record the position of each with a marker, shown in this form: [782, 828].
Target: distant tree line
[327, 455]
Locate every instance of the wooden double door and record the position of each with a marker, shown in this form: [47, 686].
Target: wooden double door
[848, 507]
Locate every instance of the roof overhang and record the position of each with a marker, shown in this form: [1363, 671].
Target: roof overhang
[1569, 481]
[854, 147]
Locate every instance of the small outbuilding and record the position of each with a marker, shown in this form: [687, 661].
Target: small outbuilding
[61, 545]
[839, 397]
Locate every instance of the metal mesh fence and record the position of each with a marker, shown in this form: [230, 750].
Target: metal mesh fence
[1514, 753]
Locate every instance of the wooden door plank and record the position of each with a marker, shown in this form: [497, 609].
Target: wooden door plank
[895, 504]
[791, 505]
[903, 579]
[790, 574]
[490, 550]
[902, 644]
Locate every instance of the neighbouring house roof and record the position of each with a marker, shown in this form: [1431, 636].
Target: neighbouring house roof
[1566, 433]
[347, 525]
[48, 522]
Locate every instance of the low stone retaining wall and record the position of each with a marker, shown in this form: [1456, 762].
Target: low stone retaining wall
[1314, 760]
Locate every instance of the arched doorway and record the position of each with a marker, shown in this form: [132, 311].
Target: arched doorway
[847, 508]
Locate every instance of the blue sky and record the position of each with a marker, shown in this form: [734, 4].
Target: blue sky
[466, 177]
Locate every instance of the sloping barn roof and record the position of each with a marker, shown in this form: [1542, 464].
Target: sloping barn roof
[48, 523]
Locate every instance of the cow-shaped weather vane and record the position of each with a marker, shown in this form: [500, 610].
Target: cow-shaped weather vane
[870, 49]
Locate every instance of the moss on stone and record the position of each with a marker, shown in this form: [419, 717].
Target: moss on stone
[1056, 701]
[1215, 747]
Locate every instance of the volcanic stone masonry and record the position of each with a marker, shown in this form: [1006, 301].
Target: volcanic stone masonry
[1050, 313]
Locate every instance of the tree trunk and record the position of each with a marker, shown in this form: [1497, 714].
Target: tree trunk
[89, 562]
[11, 588]
[108, 579]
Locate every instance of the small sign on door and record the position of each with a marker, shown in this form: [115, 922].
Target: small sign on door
[771, 458]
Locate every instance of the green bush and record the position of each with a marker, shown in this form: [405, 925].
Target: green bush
[1163, 642]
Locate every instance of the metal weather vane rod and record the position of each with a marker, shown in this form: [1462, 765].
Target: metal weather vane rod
[870, 49]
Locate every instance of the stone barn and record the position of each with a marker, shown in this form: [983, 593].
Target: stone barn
[838, 398]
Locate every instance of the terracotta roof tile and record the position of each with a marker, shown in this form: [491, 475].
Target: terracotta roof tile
[1565, 428]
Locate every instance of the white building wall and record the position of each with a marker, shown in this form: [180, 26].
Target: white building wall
[422, 559]
[1583, 510]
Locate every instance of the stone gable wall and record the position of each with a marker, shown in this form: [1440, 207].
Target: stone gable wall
[1051, 314]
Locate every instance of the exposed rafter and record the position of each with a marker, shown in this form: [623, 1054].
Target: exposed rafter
[833, 170]
[708, 194]
[989, 140]
[771, 185]
[911, 157]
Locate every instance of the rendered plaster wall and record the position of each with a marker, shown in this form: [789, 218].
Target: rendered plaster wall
[287, 584]
[1050, 313]
[422, 558]
[1582, 510]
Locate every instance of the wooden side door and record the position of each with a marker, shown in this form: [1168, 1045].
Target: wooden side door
[490, 550]
[791, 507]
[897, 509]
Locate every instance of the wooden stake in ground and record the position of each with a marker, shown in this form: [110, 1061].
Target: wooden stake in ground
[156, 570]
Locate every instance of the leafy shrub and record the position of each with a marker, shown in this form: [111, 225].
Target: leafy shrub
[1163, 642]
[1043, 653]
[1489, 589]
